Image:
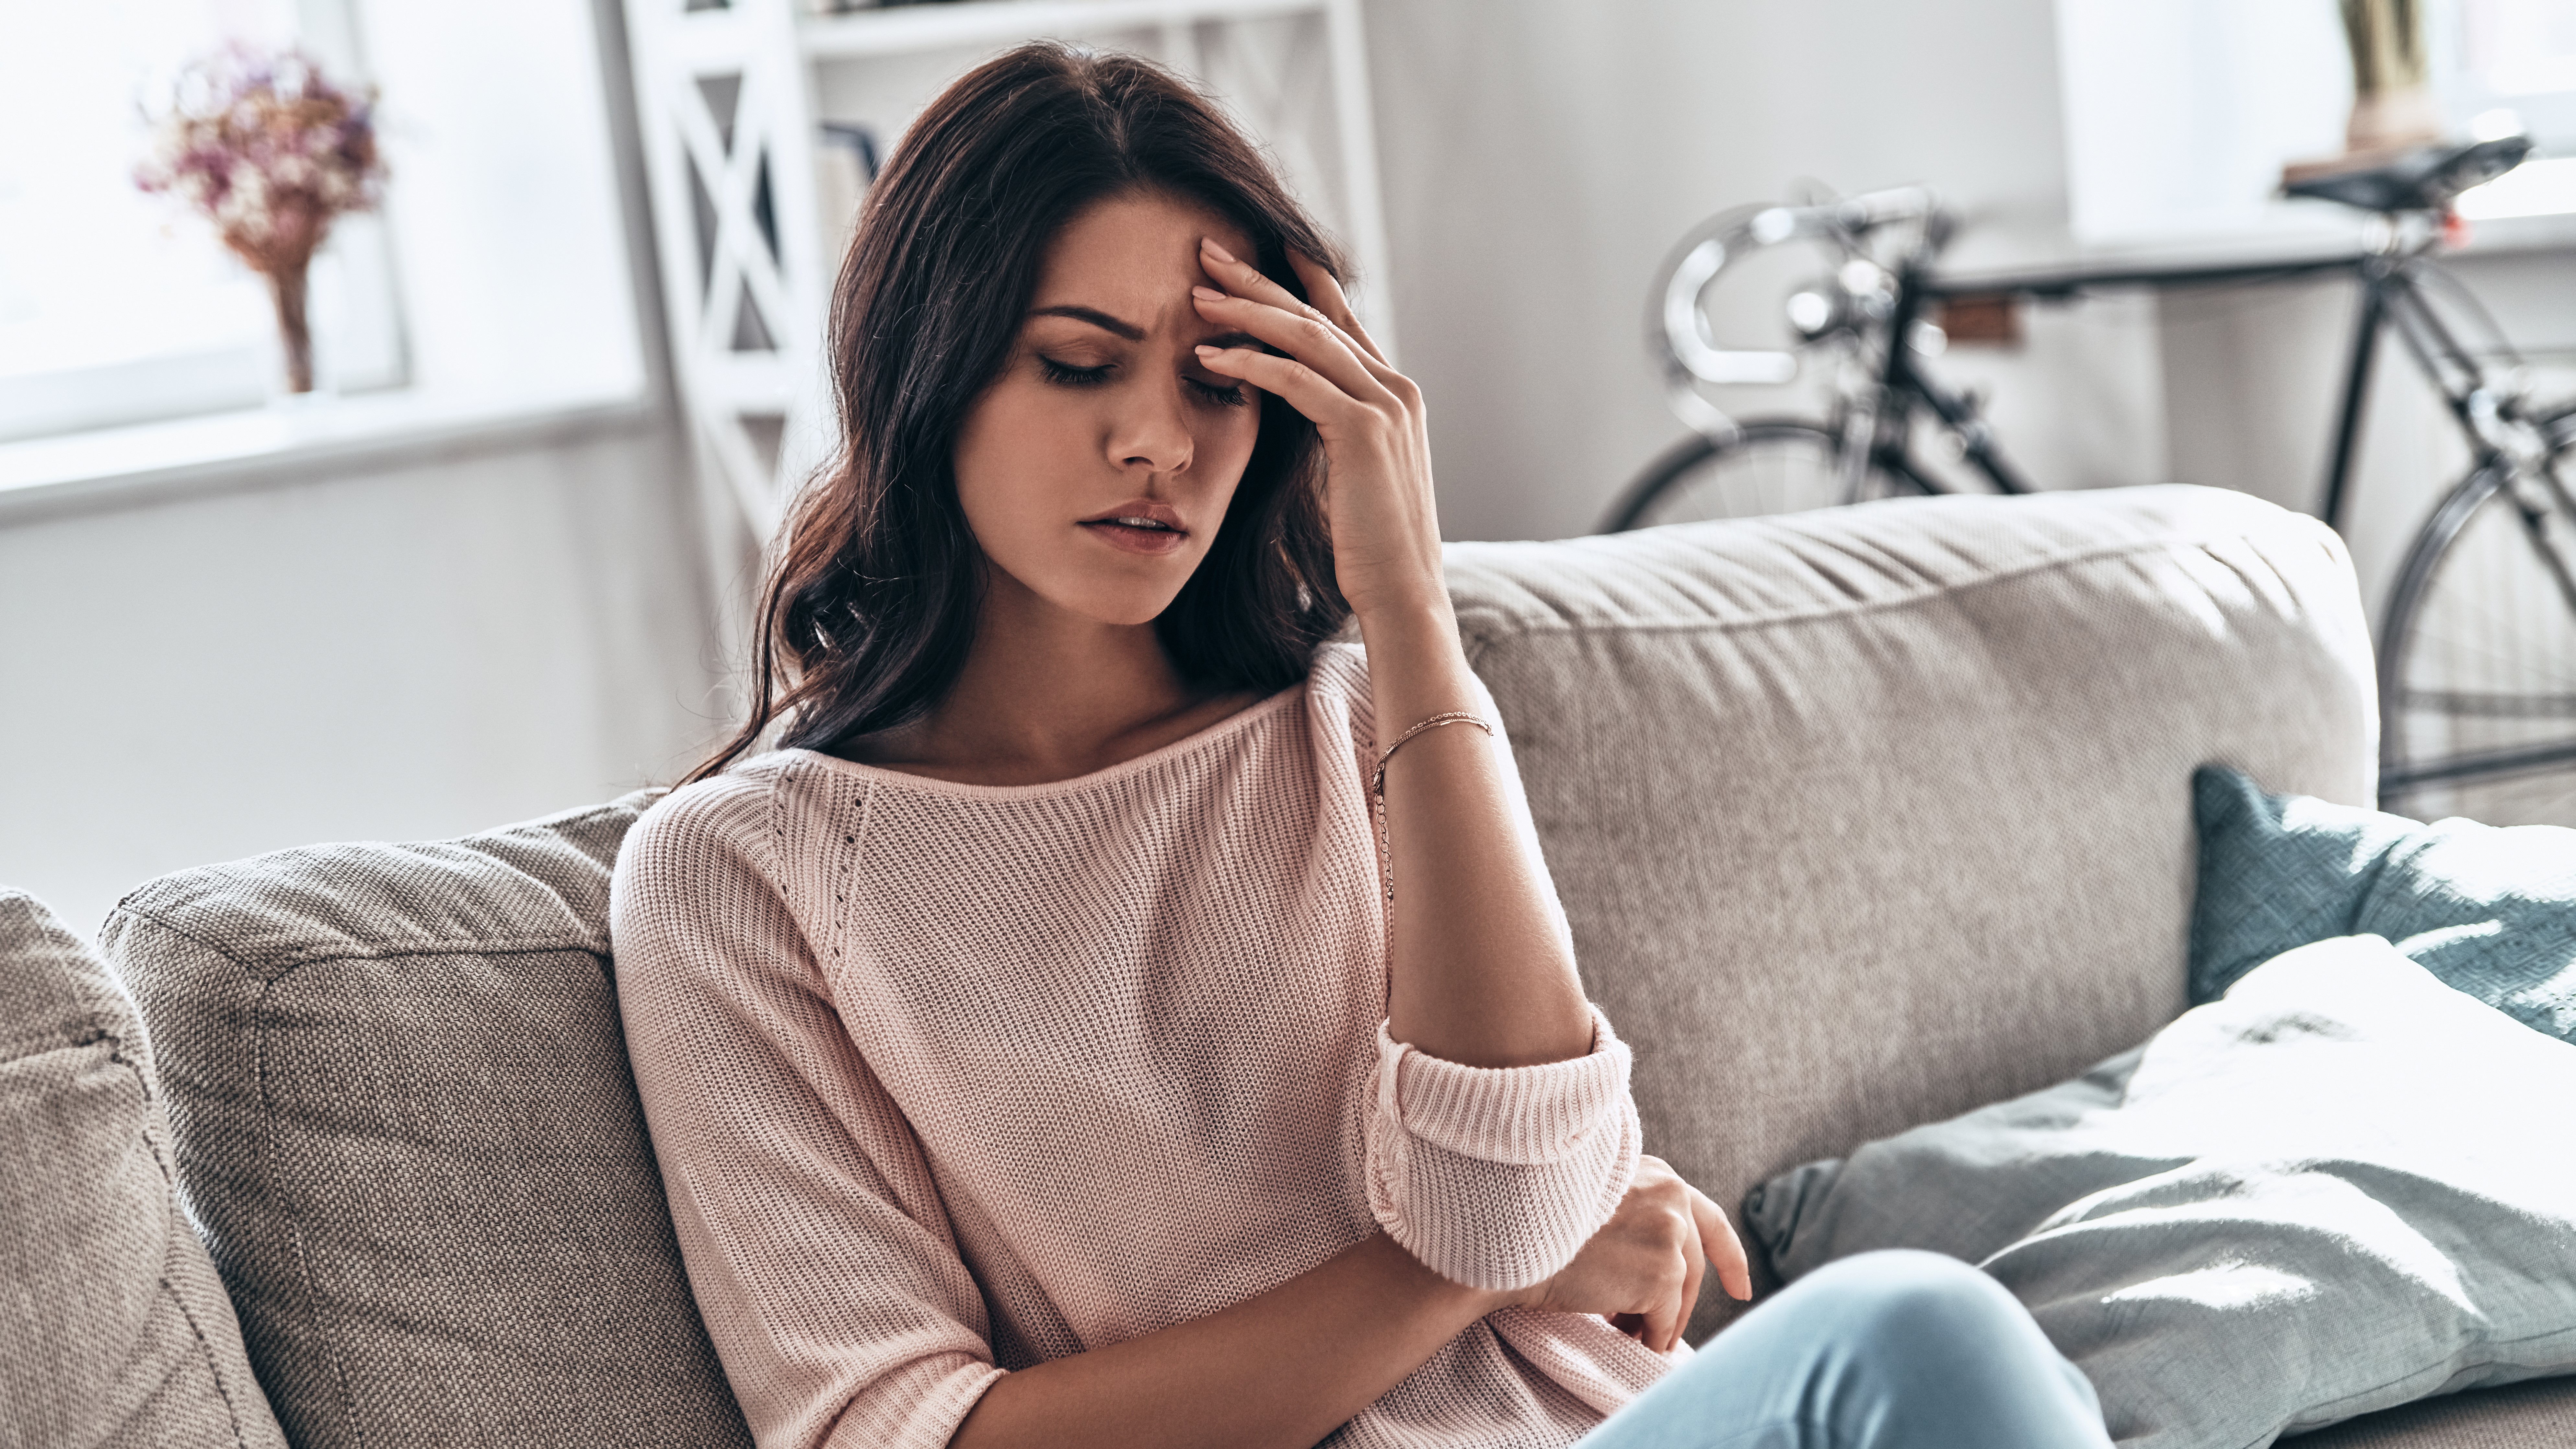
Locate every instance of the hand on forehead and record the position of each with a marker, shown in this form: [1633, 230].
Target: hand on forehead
[1131, 261]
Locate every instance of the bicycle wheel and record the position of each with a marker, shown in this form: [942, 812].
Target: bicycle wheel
[2478, 660]
[1771, 466]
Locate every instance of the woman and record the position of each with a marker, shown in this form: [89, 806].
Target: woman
[1119, 1014]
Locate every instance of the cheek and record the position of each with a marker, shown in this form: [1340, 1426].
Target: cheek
[1225, 438]
[1004, 458]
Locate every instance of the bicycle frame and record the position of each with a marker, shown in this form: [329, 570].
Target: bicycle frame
[1900, 376]
[2389, 296]
[2062, 287]
[2514, 450]
[2503, 463]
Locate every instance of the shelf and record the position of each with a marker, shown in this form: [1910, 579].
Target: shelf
[730, 99]
[907, 29]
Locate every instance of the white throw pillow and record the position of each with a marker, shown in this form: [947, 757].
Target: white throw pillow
[2341, 1187]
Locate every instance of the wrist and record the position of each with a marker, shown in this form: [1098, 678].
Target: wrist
[1419, 632]
[1422, 605]
[1455, 1299]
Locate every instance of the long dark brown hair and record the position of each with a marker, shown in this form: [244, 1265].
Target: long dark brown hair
[871, 601]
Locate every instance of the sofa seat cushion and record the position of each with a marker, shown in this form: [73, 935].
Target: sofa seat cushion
[1868, 816]
[2540, 1414]
[402, 1110]
[114, 1330]
[2318, 1197]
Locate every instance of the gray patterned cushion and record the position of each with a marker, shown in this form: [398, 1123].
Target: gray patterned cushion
[403, 1112]
[113, 1328]
[2490, 911]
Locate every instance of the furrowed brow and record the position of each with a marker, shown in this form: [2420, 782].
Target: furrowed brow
[1096, 318]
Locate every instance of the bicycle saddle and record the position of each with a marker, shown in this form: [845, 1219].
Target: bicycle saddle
[2420, 180]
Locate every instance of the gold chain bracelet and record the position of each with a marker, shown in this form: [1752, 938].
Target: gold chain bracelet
[1377, 794]
[1377, 786]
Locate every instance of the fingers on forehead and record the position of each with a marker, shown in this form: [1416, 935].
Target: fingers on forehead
[1319, 280]
[1253, 280]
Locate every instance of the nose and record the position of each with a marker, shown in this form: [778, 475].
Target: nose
[1152, 433]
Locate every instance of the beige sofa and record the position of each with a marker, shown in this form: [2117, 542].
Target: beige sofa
[1862, 818]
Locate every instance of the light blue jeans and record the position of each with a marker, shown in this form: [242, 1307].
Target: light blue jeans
[1889, 1350]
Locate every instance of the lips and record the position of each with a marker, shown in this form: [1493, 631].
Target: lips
[1139, 526]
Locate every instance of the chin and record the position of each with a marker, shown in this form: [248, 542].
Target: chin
[1114, 605]
[1134, 613]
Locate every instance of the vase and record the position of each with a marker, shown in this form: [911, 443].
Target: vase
[287, 287]
[2393, 120]
[2392, 103]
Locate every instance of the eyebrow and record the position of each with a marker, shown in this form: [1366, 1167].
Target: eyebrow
[1096, 318]
[1131, 331]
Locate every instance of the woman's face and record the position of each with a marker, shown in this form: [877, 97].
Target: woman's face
[1095, 469]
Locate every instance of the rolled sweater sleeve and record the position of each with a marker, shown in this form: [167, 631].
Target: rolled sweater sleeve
[824, 1266]
[1495, 1177]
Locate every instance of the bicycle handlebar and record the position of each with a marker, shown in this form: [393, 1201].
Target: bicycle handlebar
[1849, 216]
[1691, 355]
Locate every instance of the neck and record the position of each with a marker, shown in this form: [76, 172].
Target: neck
[1048, 695]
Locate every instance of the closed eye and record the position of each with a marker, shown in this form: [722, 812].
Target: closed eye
[1067, 375]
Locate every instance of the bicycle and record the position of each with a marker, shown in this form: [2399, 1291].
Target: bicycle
[2477, 647]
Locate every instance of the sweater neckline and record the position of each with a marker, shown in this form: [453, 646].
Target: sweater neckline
[1242, 719]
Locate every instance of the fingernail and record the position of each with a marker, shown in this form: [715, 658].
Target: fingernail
[1218, 252]
[1207, 294]
[1207, 351]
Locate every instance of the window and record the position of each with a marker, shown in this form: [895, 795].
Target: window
[2517, 55]
[116, 306]
[2180, 114]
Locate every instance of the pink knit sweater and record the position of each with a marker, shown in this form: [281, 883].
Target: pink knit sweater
[947, 1080]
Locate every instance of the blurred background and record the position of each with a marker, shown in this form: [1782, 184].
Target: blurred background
[490, 562]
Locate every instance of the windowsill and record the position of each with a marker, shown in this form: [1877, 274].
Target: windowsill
[221, 452]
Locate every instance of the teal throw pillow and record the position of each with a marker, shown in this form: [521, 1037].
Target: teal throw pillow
[2489, 911]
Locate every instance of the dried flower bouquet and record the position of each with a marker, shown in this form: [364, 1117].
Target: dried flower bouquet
[271, 152]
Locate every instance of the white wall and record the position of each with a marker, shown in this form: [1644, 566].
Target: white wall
[1542, 156]
[424, 643]
[413, 651]
[428, 646]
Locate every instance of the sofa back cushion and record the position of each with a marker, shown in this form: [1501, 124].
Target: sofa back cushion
[403, 1113]
[113, 1327]
[1866, 817]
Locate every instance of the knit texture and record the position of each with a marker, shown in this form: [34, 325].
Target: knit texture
[947, 1080]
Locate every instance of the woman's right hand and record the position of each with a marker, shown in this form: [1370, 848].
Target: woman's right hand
[1643, 1269]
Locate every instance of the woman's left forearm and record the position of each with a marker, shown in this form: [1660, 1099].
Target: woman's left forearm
[1482, 974]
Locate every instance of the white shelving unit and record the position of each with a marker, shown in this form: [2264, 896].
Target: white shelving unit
[734, 96]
